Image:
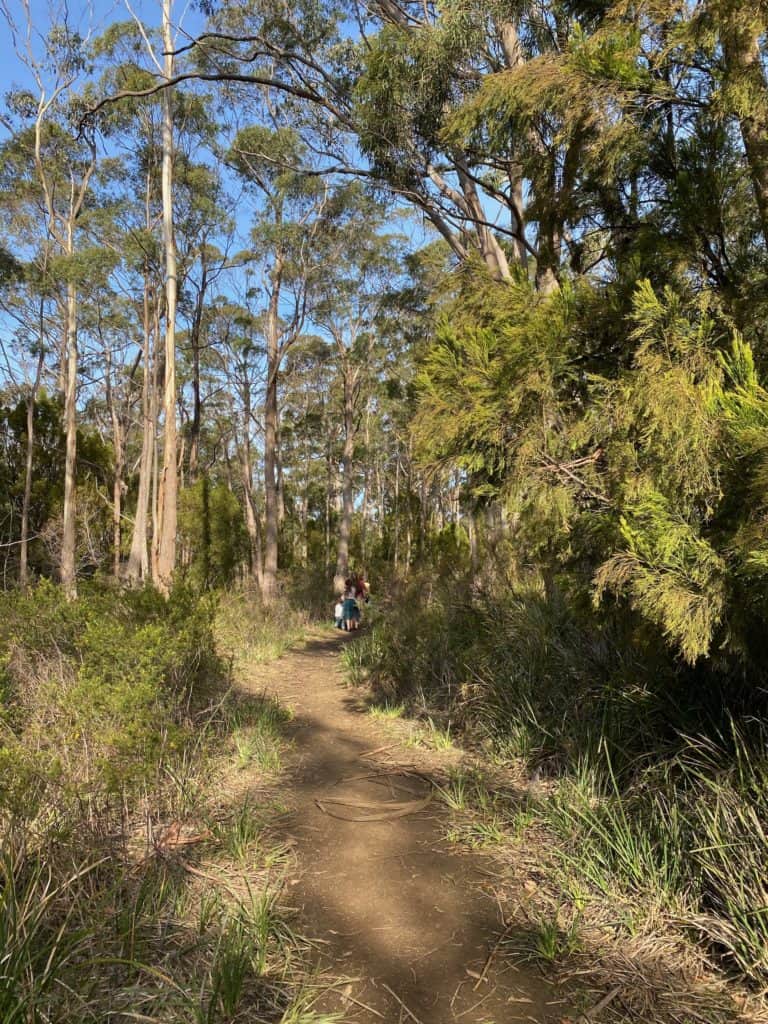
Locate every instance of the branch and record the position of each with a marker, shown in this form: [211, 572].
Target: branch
[274, 83]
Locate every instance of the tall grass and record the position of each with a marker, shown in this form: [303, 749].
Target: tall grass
[657, 777]
[116, 714]
[40, 943]
[248, 632]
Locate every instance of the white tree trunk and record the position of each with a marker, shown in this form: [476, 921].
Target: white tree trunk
[69, 533]
[166, 551]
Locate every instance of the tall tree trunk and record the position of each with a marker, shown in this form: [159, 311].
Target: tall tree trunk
[279, 483]
[347, 480]
[166, 552]
[154, 416]
[490, 249]
[118, 443]
[513, 55]
[117, 499]
[252, 525]
[366, 488]
[328, 498]
[138, 558]
[303, 526]
[194, 339]
[396, 532]
[422, 546]
[271, 507]
[29, 465]
[409, 517]
[304, 498]
[69, 533]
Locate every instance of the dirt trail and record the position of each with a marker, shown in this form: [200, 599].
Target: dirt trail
[393, 908]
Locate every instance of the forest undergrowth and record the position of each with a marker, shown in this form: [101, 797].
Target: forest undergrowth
[138, 879]
[632, 818]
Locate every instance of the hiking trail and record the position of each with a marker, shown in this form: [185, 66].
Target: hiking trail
[408, 927]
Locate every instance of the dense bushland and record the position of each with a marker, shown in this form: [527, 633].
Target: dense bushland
[658, 795]
[610, 629]
[117, 716]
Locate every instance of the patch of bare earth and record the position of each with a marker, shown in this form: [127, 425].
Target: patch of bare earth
[407, 928]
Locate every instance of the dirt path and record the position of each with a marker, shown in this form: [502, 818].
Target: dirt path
[407, 920]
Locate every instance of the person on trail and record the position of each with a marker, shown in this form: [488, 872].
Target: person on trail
[338, 614]
[361, 588]
[351, 612]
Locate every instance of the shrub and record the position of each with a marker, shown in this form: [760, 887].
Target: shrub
[660, 776]
[98, 694]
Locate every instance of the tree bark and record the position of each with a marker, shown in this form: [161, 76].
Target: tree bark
[252, 525]
[166, 553]
[271, 506]
[349, 375]
[366, 488]
[118, 442]
[138, 558]
[28, 469]
[194, 339]
[69, 533]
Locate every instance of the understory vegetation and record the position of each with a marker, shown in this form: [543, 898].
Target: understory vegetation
[602, 623]
[657, 795]
[127, 890]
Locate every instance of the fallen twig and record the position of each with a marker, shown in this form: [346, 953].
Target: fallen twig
[394, 995]
[590, 1015]
[377, 750]
[489, 958]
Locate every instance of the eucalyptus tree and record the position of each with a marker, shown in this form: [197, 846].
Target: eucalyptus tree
[364, 268]
[204, 229]
[311, 435]
[236, 339]
[53, 160]
[173, 218]
[285, 245]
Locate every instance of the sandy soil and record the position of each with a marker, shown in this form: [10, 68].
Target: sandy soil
[408, 924]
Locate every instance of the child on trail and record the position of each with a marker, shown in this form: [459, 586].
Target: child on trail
[338, 614]
[351, 612]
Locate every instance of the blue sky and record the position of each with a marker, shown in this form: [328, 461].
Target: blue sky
[87, 19]
[92, 21]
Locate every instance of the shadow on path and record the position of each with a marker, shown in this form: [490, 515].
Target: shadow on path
[407, 920]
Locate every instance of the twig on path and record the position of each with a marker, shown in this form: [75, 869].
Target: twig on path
[394, 995]
[489, 958]
[377, 750]
[351, 998]
[380, 778]
[478, 1003]
[365, 1006]
[395, 810]
[431, 951]
[590, 1015]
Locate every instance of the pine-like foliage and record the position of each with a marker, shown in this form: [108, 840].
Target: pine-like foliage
[647, 483]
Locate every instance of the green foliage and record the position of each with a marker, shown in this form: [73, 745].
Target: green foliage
[212, 527]
[98, 692]
[650, 479]
[46, 500]
[114, 707]
[656, 795]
